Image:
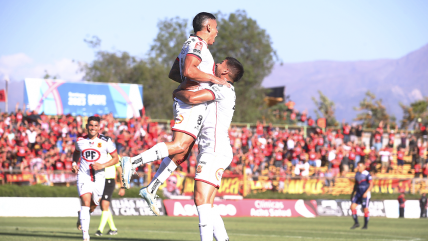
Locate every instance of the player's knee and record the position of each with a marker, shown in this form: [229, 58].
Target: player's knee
[180, 147]
[200, 199]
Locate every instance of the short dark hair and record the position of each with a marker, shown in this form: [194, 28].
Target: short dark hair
[94, 118]
[199, 20]
[236, 69]
[361, 162]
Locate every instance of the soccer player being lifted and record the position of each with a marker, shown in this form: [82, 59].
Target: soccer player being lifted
[194, 63]
[363, 186]
[93, 154]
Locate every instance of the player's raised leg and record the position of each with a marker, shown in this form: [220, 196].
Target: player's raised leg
[179, 145]
[168, 165]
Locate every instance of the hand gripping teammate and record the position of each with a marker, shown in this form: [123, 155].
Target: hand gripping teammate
[194, 63]
[215, 152]
[363, 186]
[93, 154]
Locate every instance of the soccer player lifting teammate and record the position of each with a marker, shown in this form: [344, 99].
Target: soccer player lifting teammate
[194, 63]
[93, 152]
[363, 186]
[215, 151]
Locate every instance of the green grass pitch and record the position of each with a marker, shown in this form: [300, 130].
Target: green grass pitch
[181, 228]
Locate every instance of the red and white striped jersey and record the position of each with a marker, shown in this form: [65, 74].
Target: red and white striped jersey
[94, 150]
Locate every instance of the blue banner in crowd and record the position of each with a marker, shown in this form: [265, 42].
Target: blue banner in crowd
[58, 97]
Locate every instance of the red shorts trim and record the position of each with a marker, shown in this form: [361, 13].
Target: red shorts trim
[194, 55]
[185, 132]
[207, 182]
[85, 193]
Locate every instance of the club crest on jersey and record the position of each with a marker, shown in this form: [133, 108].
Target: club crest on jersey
[199, 169]
[199, 46]
[179, 119]
[99, 145]
[219, 173]
[91, 155]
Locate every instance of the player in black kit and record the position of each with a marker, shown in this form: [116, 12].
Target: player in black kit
[363, 186]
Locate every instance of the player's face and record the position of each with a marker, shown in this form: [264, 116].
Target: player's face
[93, 127]
[361, 167]
[220, 68]
[213, 31]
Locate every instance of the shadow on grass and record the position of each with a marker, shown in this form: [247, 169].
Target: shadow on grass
[75, 237]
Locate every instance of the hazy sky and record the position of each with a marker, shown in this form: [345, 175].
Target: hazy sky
[48, 34]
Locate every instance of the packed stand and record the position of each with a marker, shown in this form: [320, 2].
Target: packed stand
[36, 143]
[271, 151]
[32, 142]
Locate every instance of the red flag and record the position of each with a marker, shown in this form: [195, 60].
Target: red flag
[2, 96]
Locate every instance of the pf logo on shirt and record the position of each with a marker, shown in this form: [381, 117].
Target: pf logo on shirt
[91, 155]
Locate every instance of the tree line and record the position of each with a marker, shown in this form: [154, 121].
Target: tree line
[242, 38]
[239, 36]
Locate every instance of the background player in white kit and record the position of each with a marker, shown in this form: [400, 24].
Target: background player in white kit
[194, 63]
[93, 154]
[215, 151]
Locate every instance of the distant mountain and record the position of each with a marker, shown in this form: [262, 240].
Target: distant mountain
[393, 80]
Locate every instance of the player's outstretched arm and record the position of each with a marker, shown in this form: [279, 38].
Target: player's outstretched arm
[174, 73]
[194, 98]
[191, 71]
[113, 161]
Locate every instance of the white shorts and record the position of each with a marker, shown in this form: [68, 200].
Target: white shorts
[188, 118]
[210, 168]
[85, 185]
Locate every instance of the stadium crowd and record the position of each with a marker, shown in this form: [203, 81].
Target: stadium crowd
[32, 142]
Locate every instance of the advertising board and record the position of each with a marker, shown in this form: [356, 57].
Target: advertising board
[247, 208]
[57, 97]
[383, 208]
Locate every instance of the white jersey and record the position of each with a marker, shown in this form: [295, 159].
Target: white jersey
[196, 47]
[95, 150]
[214, 135]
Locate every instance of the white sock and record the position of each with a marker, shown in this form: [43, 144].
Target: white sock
[85, 218]
[205, 222]
[165, 169]
[157, 152]
[220, 233]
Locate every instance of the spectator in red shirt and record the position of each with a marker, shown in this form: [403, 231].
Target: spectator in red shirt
[346, 130]
[21, 152]
[259, 129]
[418, 170]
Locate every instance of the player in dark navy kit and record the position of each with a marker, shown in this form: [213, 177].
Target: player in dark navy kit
[363, 186]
